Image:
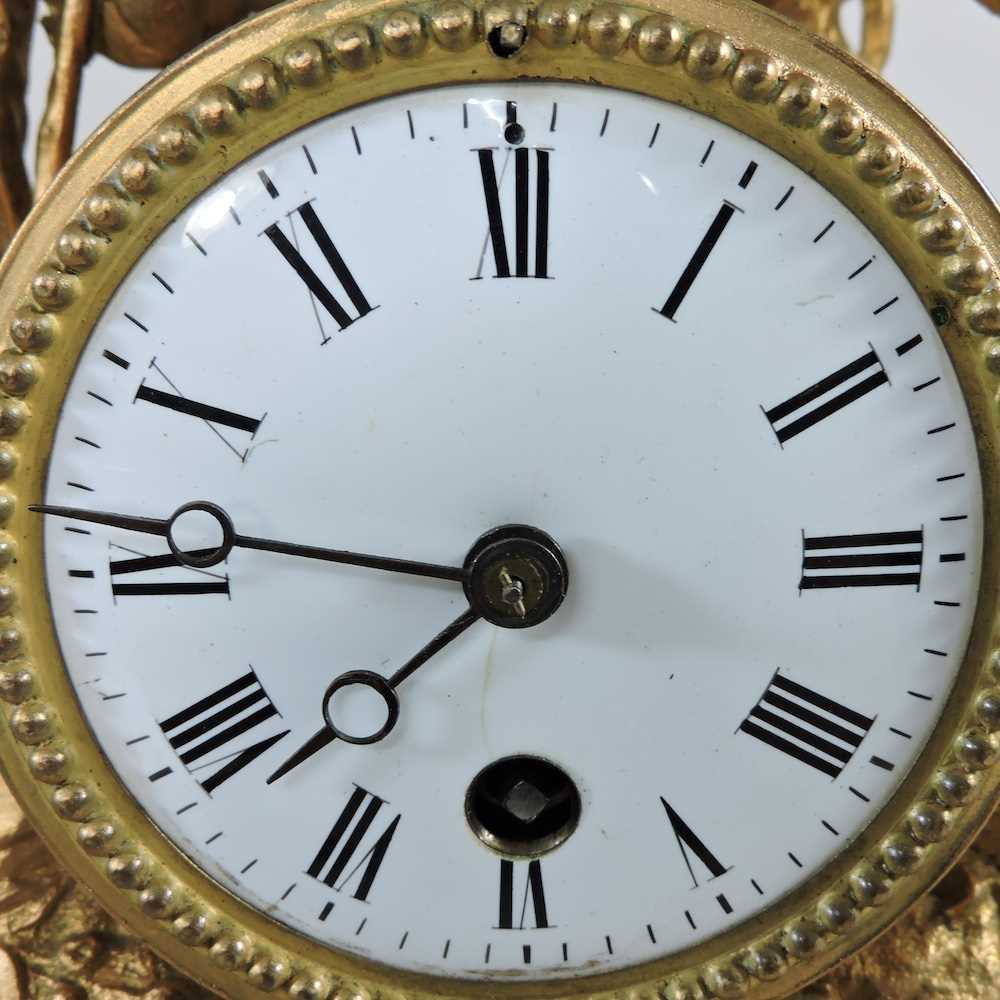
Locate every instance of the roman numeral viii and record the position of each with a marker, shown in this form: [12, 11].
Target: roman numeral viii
[341, 316]
[827, 396]
[199, 582]
[515, 917]
[522, 213]
[346, 844]
[888, 559]
[215, 724]
[807, 726]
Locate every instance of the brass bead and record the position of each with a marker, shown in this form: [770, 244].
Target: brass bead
[681, 989]
[988, 709]
[48, 765]
[765, 962]
[8, 550]
[105, 210]
[127, 871]
[158, 901]
[403, 34]
[607, 29]
[140, 175]
[499, 13]
[16, 686]
[269, 974]
[305, 63]
[995, 665]
[259, 85]
[943, 232]
[993, 357]
[557, 23]
[709, 56]
[78, 249]
[353, 47]
[33, 331]
[232, 953]
[18, 373]
[11, 644]
[72, 802]
[900, 854]
[8, 463]
[968, 272]
[659, 40]
[976, 750]
[13, 414]
[176, 141]
[868, 884]
[6, 598]
[836, 912]
[983, 314]
[52, 289]
[953, 787]
[309, 987]
[800, 101]
[726, 980]
[800, 939]
[192, 927]
[880, 159]
[8, 505]
[453, 25]
[757, 76]
[927, 822]
[842, 128]
[31, 724]
[97, 838]
[913, 194]
[216, 111]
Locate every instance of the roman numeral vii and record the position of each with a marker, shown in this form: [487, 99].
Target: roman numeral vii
[341, 316]
[807, 726]
[344, 854]
[522, 213]
[214, 725]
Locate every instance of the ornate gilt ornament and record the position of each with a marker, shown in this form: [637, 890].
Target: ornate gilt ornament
[732, 61]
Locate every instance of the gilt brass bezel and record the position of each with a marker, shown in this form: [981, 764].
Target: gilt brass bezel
[729, 59]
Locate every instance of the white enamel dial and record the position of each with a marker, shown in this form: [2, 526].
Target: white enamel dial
[577, 309]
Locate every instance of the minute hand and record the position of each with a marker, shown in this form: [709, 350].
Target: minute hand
[230, 540]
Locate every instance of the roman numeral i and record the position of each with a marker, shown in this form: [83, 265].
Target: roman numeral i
[807, 726]
[345, 842]
[522, 222]
[886, 559]
[215, 723]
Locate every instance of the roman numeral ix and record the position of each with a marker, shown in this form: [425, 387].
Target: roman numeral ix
[827, 396]
[807, 726]
[522, 221]
[888, 559]
[515, 918]
[200, 582]
[347, 840]
[341, 316]
[215, 724]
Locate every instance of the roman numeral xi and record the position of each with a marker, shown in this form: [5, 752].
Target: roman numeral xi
[214, 725]
[887, 559]
[348, 848]
[807, 726]
[326, 298]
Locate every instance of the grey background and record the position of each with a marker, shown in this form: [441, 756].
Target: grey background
[944, 59]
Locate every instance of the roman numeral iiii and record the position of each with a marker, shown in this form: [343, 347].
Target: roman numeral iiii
[807, 726]
[887, 559]
[215, 724]
[522, 222]
[343, 854]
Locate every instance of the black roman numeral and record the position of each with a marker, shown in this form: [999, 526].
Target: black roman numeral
[843, 387]
[216, 722]
[689, 841]
[887, 559]
[311, 279]
[808, 726]
[533, 891]
[522, 221]
[349, 841]
[212, 414]
[203, 582]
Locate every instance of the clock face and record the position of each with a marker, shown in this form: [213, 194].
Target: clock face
[741, 578]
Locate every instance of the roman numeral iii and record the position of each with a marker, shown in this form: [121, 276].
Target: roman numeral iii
[523, 243]
[807, 726]
[827, 396]
[353, 846]
[341, 316]
[888, 559]
[514, 911]
[214, 725]
[198, 582]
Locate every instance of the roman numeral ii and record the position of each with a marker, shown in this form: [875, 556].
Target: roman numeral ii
[887, 559]
[522, 213]
[346, 842]
[198, 582]
[807, 726]
[214, 724]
